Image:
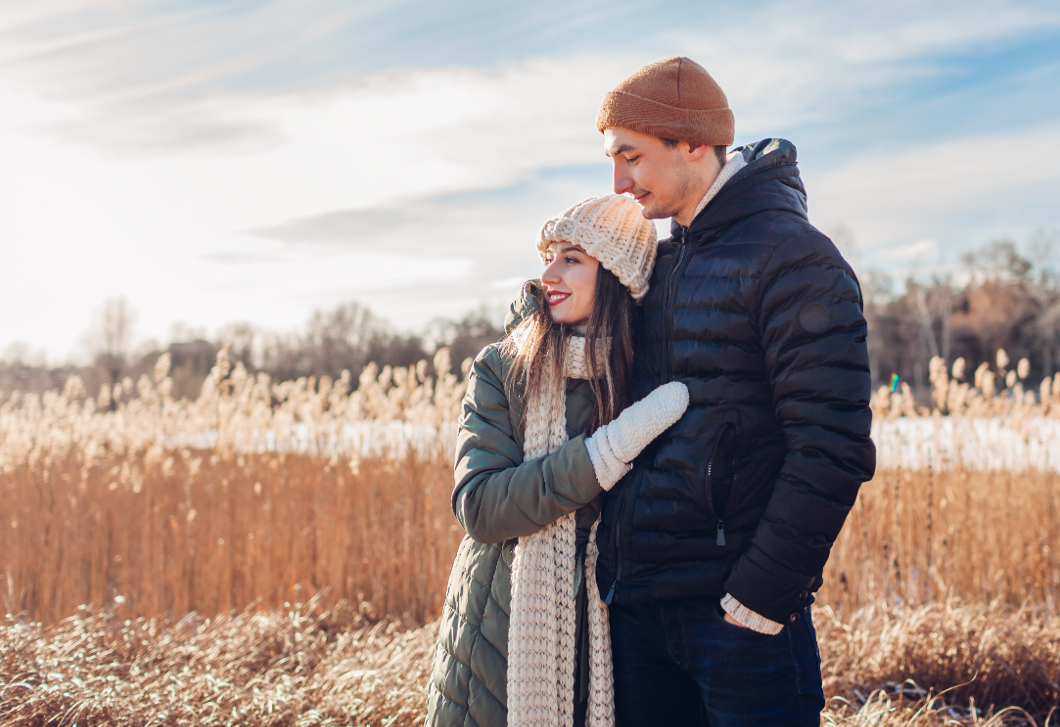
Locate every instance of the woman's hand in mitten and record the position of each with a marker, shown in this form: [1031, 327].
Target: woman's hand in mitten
[613, 446]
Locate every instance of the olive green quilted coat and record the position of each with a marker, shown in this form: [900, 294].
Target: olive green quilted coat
[498, 498]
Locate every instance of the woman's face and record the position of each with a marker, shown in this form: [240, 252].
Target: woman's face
[570, 283]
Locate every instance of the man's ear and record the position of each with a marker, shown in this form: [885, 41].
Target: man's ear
[695, 153]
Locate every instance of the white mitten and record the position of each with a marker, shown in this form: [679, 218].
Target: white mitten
[613, 446]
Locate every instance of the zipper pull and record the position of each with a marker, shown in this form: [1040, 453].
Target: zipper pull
[721, 534]
[611, 593]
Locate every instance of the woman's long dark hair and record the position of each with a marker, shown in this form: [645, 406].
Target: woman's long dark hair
[542, 351]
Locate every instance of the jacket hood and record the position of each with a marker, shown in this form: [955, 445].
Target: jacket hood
[769, 182]
[526, 304]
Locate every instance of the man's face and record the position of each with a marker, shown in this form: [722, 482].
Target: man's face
[659, 178]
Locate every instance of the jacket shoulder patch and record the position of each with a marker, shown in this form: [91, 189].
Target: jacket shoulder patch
[814, 317]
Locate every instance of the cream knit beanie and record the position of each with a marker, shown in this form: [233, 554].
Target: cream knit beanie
[612, 229]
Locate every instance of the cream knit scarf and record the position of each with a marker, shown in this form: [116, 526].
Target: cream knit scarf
[541, 627]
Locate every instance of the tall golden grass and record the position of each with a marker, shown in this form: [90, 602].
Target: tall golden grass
[202, 532]
[925, 537]
[214, 522]
[263, 493]
[255, 493]
[210, 533]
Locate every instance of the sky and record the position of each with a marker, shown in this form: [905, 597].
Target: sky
[234, 161]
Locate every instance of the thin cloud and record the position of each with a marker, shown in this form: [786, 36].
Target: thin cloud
[353, 227]
[406, 156]
[138, 67]
[506, 283]
[240, 257]
[822, 64]
[923, 250]
[959, 192]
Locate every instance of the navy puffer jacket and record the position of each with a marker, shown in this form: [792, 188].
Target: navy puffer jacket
[759, 315]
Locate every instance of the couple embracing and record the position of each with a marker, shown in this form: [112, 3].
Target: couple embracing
[652, 466]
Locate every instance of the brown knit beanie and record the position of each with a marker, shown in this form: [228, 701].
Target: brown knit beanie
[674, 98]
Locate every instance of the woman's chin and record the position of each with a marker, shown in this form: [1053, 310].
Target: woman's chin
[567, 320]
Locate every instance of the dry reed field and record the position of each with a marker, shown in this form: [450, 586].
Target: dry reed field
[208, 533]
[924, 537]
[309, 665]
[267, 553]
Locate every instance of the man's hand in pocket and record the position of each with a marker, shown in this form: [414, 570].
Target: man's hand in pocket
[734, 622]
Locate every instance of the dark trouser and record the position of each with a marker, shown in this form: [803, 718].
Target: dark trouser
[678, 662]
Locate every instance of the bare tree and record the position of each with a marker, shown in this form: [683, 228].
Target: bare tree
[1000, 261]
[17, 354]
[467, 336]
[341, 338]
[244, 342]
[110, 339]
[1044, 247]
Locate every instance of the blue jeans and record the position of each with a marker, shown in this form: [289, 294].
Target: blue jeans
[678, 662]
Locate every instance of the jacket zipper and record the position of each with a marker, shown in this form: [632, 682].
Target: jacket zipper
[669, 377]
[618, 546]
[667, 349]
[710, 481]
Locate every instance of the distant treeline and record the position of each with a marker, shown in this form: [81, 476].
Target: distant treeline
[345, 338]
[999, 299]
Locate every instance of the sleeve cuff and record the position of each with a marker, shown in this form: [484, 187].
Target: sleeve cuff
[749, 618]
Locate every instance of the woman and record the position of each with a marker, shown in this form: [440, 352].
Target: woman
[523, 637]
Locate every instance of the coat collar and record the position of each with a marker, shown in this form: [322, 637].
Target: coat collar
[770, 181]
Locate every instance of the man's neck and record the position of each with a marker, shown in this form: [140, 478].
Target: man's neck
[733, 165]
[687, 212]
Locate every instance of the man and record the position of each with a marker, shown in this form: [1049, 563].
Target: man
[711, 547]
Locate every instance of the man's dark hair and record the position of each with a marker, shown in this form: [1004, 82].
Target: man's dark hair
[719, 151]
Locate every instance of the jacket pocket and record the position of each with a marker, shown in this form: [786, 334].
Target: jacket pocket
[721, 473]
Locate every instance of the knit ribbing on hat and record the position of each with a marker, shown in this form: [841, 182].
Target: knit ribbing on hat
[674, 98]
[541, 632]
[611, 229]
